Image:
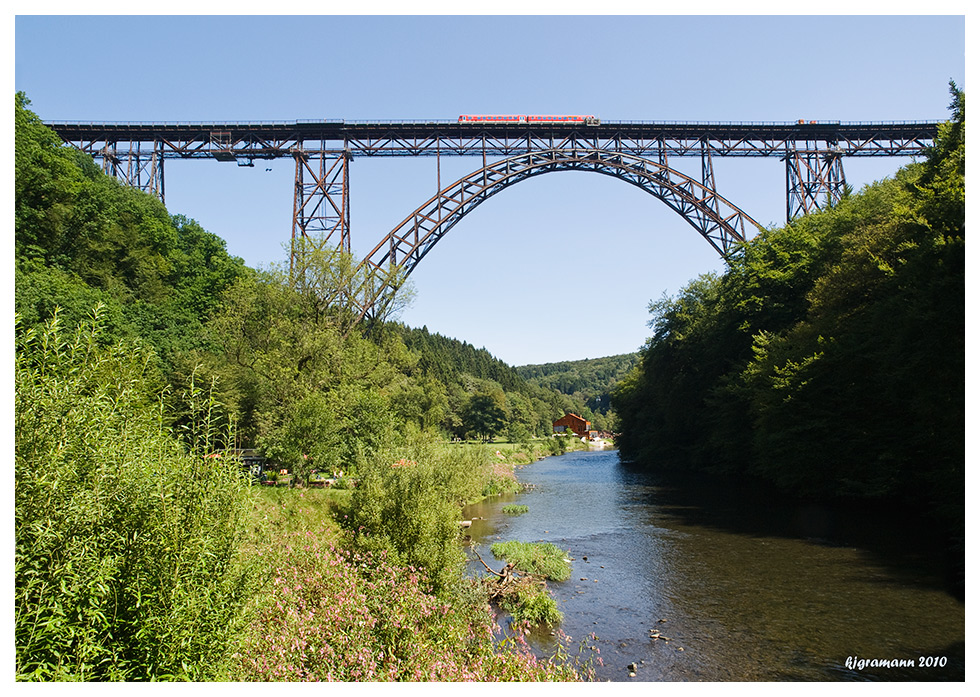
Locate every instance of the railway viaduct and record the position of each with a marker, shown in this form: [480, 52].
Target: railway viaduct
[508, 150]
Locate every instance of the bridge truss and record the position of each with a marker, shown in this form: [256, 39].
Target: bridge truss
[322, 151]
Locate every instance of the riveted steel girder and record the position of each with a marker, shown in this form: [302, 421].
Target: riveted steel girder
[421, 138]
[139, 167]
[134, 152]
[635, 151]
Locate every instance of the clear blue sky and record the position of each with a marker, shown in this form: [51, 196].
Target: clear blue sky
[560, 267]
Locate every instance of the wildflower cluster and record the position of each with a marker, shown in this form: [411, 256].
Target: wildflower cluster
[502, 480]
[333, 614]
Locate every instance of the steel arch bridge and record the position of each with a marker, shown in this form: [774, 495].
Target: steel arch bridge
[721, 223]
[633, 151]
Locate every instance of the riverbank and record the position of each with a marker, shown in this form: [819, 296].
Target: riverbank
[525, 453]
[333, 609]
[506, 457]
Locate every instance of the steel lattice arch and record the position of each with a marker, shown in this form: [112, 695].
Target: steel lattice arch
[716, 219]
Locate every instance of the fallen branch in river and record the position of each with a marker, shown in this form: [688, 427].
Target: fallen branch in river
[508, 580]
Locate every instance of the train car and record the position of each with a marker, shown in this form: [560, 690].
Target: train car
[491, 118]
[523, 118]
[587, 120]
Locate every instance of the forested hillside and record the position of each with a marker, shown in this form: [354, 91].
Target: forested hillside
[590, 380]
[828, 359]
[83, 238]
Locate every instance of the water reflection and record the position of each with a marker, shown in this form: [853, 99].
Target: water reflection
[743, 590]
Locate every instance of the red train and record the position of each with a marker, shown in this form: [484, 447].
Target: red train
[486, 118]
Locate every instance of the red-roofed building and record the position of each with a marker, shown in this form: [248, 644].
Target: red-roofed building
[574, 423]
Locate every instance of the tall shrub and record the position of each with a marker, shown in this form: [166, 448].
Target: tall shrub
[408, 503]
[125, 535]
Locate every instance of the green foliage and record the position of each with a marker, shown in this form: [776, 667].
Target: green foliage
[449, 360]
[465, 371]
[589, 382]
[420, 401]
[304, 385]
[501, 480]
[541, 558]
[43, 290]
[302, 436]
[408, 504]
[282, 511]
[530, 602]
[942, 187]
[557, 445]
[47, 178]
[514, 509]
[485, 414]
[829, 358]
[82, 237]
[126, 560]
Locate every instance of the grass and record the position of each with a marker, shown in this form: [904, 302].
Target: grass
[514, 509]
[521, 453]
[541, 558]
[278, 511]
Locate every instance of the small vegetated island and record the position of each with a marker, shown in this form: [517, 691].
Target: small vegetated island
[149, 361]
[526, 596]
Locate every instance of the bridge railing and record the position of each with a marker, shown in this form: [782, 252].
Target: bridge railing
[451, 122]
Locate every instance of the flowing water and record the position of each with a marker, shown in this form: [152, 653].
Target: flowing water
[741, 589]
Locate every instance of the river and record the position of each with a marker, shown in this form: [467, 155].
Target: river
[744, 590]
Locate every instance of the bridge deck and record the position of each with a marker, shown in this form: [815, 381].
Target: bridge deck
[419, 138]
